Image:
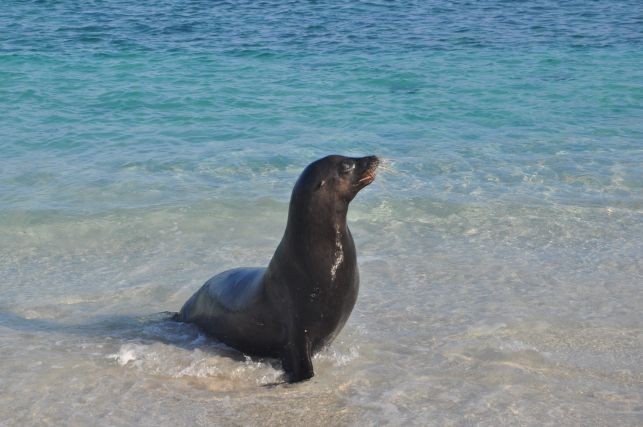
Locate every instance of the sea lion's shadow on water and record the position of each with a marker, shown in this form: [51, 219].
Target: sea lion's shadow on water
[143, 329]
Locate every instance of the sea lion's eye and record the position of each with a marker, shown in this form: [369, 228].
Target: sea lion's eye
[346, 167]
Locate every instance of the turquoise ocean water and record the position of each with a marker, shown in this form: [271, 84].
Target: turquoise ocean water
[146, 146]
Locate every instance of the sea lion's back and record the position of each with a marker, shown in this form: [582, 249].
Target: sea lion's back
[230, 291]
[236, 289]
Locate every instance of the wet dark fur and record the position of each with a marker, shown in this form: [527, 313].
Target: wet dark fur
[301, 301]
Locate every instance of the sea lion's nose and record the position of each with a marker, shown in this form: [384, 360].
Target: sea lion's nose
[369, 161]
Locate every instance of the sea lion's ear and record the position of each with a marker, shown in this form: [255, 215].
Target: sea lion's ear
[320, 184]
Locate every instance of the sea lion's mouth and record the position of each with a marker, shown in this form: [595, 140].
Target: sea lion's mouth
[369, 174]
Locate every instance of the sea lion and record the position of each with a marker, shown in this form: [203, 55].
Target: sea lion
[301, 301]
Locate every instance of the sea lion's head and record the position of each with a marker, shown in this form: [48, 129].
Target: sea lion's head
[332, 182]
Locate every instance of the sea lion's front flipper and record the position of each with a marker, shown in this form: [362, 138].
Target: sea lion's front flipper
[296, 360]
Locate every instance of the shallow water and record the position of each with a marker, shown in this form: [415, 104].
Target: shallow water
[145, 148]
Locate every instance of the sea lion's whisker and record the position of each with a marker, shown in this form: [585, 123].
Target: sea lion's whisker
[387, 167]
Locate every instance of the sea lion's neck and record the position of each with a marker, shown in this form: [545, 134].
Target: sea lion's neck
[317, 225]
[317, 240]
[322, 247]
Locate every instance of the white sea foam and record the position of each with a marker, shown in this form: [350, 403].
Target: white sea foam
[129, 353]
